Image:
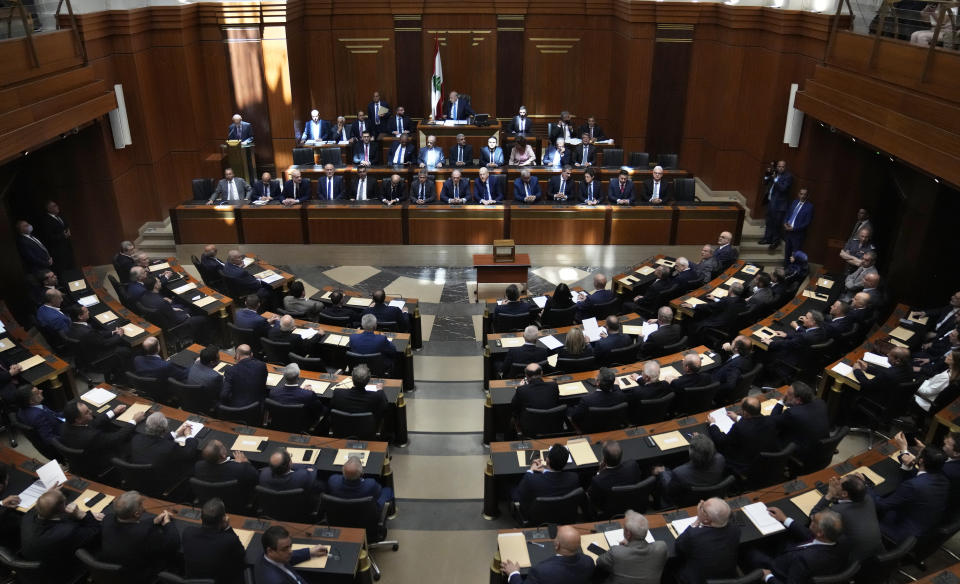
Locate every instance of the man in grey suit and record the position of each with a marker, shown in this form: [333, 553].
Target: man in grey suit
[297, 304]
[861, 528]
[231, 188]
[202, 373]
[634, 561]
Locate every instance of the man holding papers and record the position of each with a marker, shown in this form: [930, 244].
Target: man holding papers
[802, 419]
[708, 548]
[568, 566]
[664, 333]
[742, 438]
[99, 439]
[172, 454]
[813, 552]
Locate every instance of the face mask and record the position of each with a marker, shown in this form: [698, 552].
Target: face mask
[29, 229]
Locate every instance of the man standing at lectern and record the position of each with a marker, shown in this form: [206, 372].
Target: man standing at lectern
[240, 130]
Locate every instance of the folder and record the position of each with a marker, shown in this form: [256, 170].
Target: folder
[6, 344]
[204, 301]
[750, 269]
[343, 454]
[868, 472]
[131, 411]
[132, 330]
[317, 387]
[244, 535]
[732, 281]
[901, 333]
[98, 396]
[77, 285]
[589, 538]
[766, 407]
[645, 270]
[93, 501]
[824, 283]
[718, 293]
[511, 342]
[185, 288]
[300, 456]
[160, 266]
[915, 317]
[575, 388]
[807, 501]
[669, 373]
[581, 452]
[105, 317]
[359, 302]
[273, 379]
[670, 440]
[632, 329]
[249, 443]
[694, 301]
[31, 362]
[513, 546]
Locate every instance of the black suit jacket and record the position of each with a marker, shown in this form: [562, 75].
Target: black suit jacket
[389, 192]
[599, 193]
[723, 313]
[797, 565]
[660, 338]
[524, 354]
[54, 541]
[370, 188]
[271, 190]
[464, 110]
[244, 383]
[680, 384]
[666, 190]
[748, 438]
[244, 473]
[453, 153]
[34, 255]
[462, 190]
[540, 394]
[578, 154]
[213, 553]
[553, 188]
[96, 343]
[557, 132]
[728, 375]
[596, 399]
[303, 193]
[53, 233]
[838, 326]
[409, 156]
[393, 127]
[374, 152]
[625, 473]
[358, 400]
[544, 484]
[429, 191]
[100, 439]
[357, 133]
[804, 425]
[597, 132]
[885, 383]
[142, 548]
[707, 553]
[602, 347]
[170, 460]
[122, 264]
[515, 126]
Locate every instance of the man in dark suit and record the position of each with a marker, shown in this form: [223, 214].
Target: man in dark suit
[368, 342]
[613, 339]
[621, 189]
[738, 362]
[560, 189]
[364, 187]
[52, 531]
[246, 381]
[557, 155]
[776, 187]
[708, 268]
[399, 124]
[802, 419]
[342, 131]
[283, 475]
[359, 126]
[366, 152]
[210, 262]
[534, 392]
[242, 280]
[546, 479]
[793, 348]
[212, 549]
[152, 365]
[266, 189]
[722, 314]
[216, 466]
[171, 461]
[685, 278]
[240, 130]
[202, 373]
[725, 253]
[613, 472]
[529, 352]
[585, 153]
[491, 155]
[337, 309]
[562, 128]
[568, 566]
[249, 317]
[847, 496]
[296, 190]
[461, 153]
[839, 322]
[592, 130]
[656, 190]
[230, 188]
[526, 189]
[691, 376]
[47, 423]
[423, 191]
[708, 548]
[520, 124]
[591, 190]
[942, 320]
[352, 485]
[393, 191]
[654, 295]
[55, 234]
[456, 109]
[762, 296]
[100, 439]
[33, 253]
[275, 566]
[512, 305]
[123, 261]
[97, 344]
[751, 434]
[170, 315]
[374, 108]
[284, 333]
[813, 552]
[330, 185]
[634, 559]
[649, 385]
[885, 384]
[706, 467]
[456, 190]
[667, 333]
[356, 399]
[401, 152]
[292, 391]
[798, 217]
[316, 129]
[386, 313]
[141, 542]
[488, 188]
[586, 304]
[919, 502]
[606, 395]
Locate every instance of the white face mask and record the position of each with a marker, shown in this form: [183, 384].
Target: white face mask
[29, 229]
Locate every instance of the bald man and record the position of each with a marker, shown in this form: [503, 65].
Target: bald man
[751, 434]
[586, 304]
[283, 333]
[246, 381]
[243, 281]
[568, 566]
[52, 531]
[884, 387]
[708, 548]
[209, 260]
[240, 130]
[725, 254]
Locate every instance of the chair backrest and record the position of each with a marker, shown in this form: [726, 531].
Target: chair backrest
[120, 290]
[34, 437]
[359, 425]
[623, 355]
[307, 363]
[623, 497]
[556, 317]
[202, 189]
[745, 383]
[330, 156]
[250, 414]
[697, 399]
[138, 477]
[826, 447]
[171, 578]
[244, 336]
[535, 422]
[838, 578]
[651, 411]
[275, 351]
[667, 161]
[613, 156]
[850, 339]
[80, 464]
[388, 326]
[288, 505]
[303, 156]
[684, 189]
[576, 364]
[342, 321]
[768, 467]
[287, 417]
[150, 387]
[507, 323]
[675, 347]
[26, 570]
[640, 160]
[102, 572]
[374, 361]
[228, 491]
[754, 577]
[193, 398]
[358, 513]
[601, 419]
[702, 493]
[602, 311]
[517, 369]
[562, 510]
[880, 567]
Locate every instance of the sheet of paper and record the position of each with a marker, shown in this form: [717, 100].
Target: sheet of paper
[332, 339]
[31, 362]
[591, 329]
[245, 536]
[669, 373]
[807, 501]
[160, 266]
[648, 328]
[131, 330]
[764, 333]
[305, 333]
[645, 270]
[204, 301]
[680, 525]
[815, 295]
[670, 440]
[247, 261]
[758, 515]
[343, 454]
[105, 317]
[540, 301]
[732, 281]
[263, 274]
[750, 269]
[326, 295]
[825, 283]
[221, 367]
[398, 303]
[901, 333]
[86, 501]
[315, 562]
[77, 285]
[273, 379]
[589, 538]
[581, 451]
[842, 369]
[359, 302]
[575, 388]
[89, 300]
[98, 396]
[513, 546]
[51, 474]
[551, 342]
[693, 301]
[371, 387]
[6, 344]
[29, 496]
[185, 288]
[627, 280]
[915, 317]
[868, 472]
[718, 293]
[666, 262]
[720, 419]
[131, 411]
[706, 359]
[300, 456]
[766, 407]
[614, 536]
[552, 359]
[317, 387]
[897, 343]
[273, 278]
[875, 359]
[246, 443]
[193, 429]
[511, 342]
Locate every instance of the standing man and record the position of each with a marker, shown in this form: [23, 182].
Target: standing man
[316, 130]
[33, 254]
[240, 130]
[456, 108]
[378, 109]
[795, 227]
[55, 234]
[777, 182]
[520, 124]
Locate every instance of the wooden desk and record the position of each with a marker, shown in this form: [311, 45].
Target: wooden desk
[630, 283]
[739, 270]
[455, 224]
[552, 224]
[346, 223]
[696, 224]
[447, 135]
[197, 222]
[643, 225]
[272, 224]
[412, 306]
[94, 285]
[491, 272]
[25, 347]
[798, 306]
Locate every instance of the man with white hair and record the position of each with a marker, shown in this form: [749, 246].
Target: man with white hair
[528, 352]
[352, 484]
[284, 333]
[557, 155]
[296, 189]
[171, 461]
[123, 261]
[686, 277]
[526, 189]
[368, 341]
[656, 190]
[315, 130]
[650, 385]
[708, 548]
[240, 130]
[292, 392]
[141, 542]
[634, 561]
[725, 253]
[667, 333]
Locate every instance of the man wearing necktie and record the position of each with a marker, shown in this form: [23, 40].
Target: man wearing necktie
[366, 152]
[455, 189]
[491, 155]
[655, 189]
[398, 123]
[360, 126]
[341, 132]
[520, 124]
[331, 185]
[401, 152]
[591, 192]
[777, 182]
[275, 566]
[461, 153]
[362, 190]
[392, 191]
[33, 253]
[423, 191]
[456, 108]
[55, 235]
[231, 188]
[240, 130]
[373, 111]
[488, 188]
[558, 188]
[526, 188]
[621, 189]
[431, 156]
[811, 551]
[583, 156]
[799, 216]
[47, 423]
[296, 190]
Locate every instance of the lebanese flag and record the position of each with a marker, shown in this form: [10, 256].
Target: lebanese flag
[436, 82]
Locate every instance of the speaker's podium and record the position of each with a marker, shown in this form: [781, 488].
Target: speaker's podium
[241, 159]
[503, 266]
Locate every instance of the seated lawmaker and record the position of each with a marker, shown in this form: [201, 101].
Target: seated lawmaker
[650, 386]
[522, 153]
[341, 132]
[585, 153]
[634, 559]
[152, 365]
[456, 108]
[275, 566]
[99, 344]
[144, 544]
[612, 338]
[123, 261]
[456, 190]
[432, 156]
[366, 152]
[621, 189]
[315, 130]
[708, 548]
[560, 187]
[363, 187]
[212, 549]
[337, 308]
[298, 305]
[330, 185]
[245, 382]
[266, 189]
[656, 190]
[230, 188]
[606, 395]
[488, 188]
[171, 461]
[49, 315]
[491, 155]
[919, 502]
[200, 326]
[563, 128]
[528, 352]
[284, 333]
[52, 531]
[461, 153]
[351, 484]
[592, 130]
[667, 333]
[812, 552]
[282, 475]
[399, 123]
[526, 189]
[296, 190]
[691, 375]
[705, 468]
[847, 496]
[393, 192]
[513, 304]
[613, 472]
[242, 280]
[402, 152]
[575, 345]
[557, 155]
[568, 566]
[655, 293]
[591, 190]
[217, 466]
[928, 392]
[293, 390]
[249, 318]
[356, 399]
[96, 436]
[737, 361]
[359, 126]
[751, 434]
[368, 342]
[46, 422]
[202, 373]
[546, 479]
[423, 190]
[802, 418]
[386, 313]
[534, 392]
[600, 296]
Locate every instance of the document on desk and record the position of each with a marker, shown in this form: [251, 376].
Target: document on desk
[221, 367]
[317, 387]
[398, 303]
[669, 373]
[915, 317]
[98, 396]
[552, 359]
[540, 301]
[575, 388]
[694, 301]
[764, 333]
[869, 473]
[666, 262]
[590, 538]
[551, 342]
[721, 420]
[511, 342]
[764, 522]
[843, 369]
[825, 283]
[272, 278]
[77, 285]
[581, 451]
[185, 288]
[315, 562]
[105, 317]
[160, 266]
[513, 546]
[901, 333]
[706, 359]
[201, 302]
[359, 302]
[305, 333]
[193, 429]
[132, 330]
[248, 261]
[591, 329]
[245, 443]
[670, 440]
[273, 379]
[245, 536]
[875, 359]
[303, 455]
[750, 269]
[335, 339]
[766, 407]
[678, 526]
[344, 453]
[807, 501]
[93, 501]
[131, 411]
[718, 293]
[626, 382]
[6, 344]
[88, 301]
[645, 270]
[815, 295]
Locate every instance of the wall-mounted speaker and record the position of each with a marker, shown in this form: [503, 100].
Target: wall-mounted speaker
[791, 131]
[119, 123]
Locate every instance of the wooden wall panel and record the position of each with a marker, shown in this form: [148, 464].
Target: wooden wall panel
[468, 52]
[364, 62]
[411, 76]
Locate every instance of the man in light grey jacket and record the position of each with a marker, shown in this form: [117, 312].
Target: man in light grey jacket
[634, 561]
[231, 188]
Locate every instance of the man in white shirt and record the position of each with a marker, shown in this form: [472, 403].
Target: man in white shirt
[231, 188]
